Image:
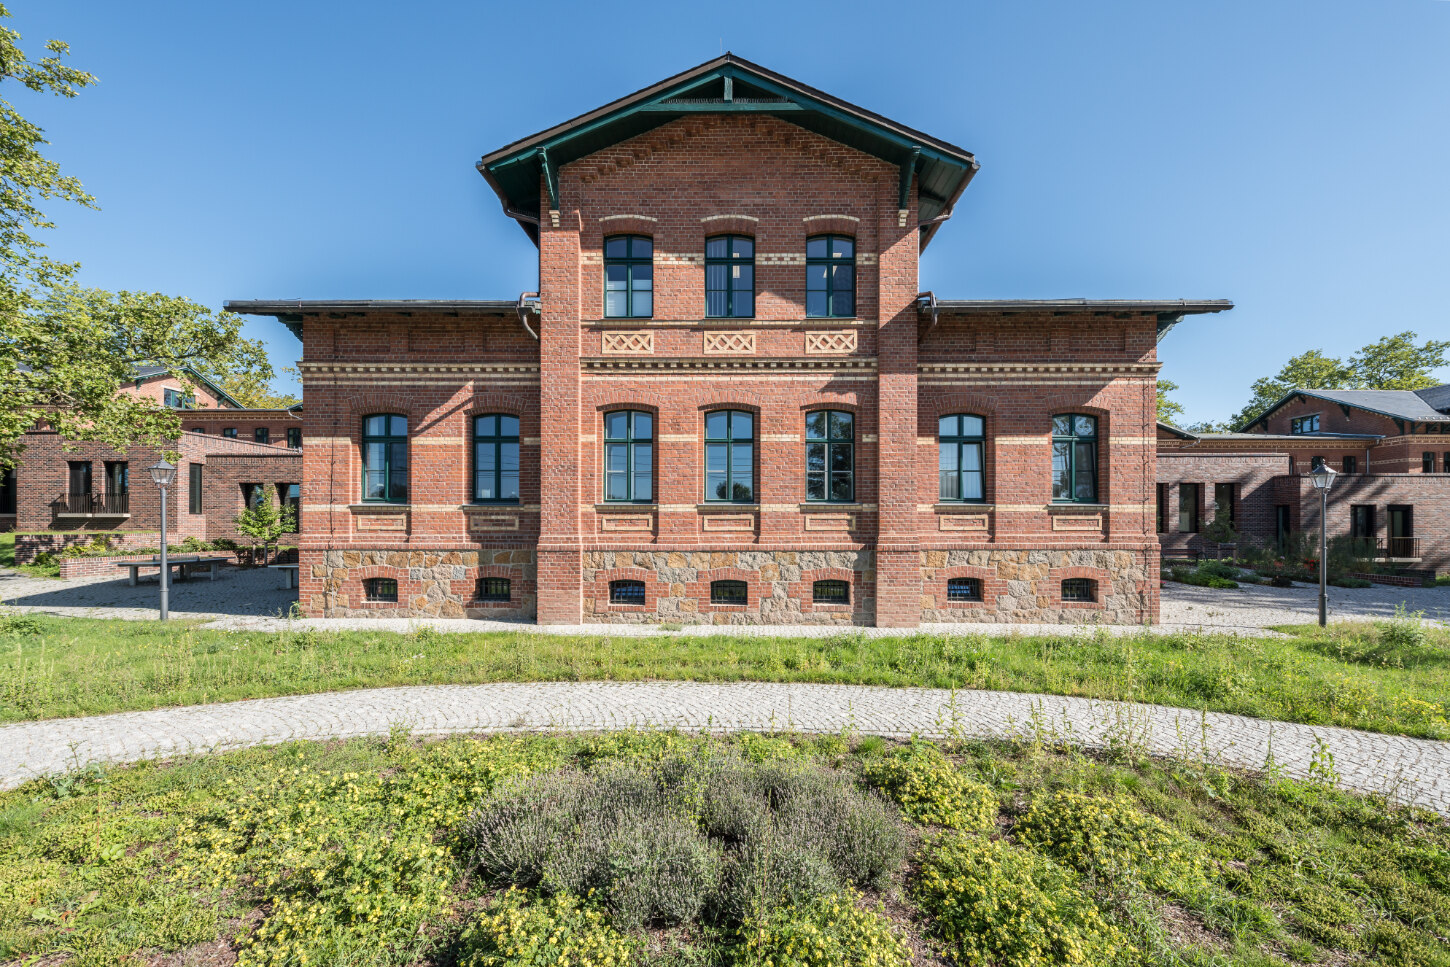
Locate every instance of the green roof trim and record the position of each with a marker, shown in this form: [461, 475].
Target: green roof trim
[730, 84]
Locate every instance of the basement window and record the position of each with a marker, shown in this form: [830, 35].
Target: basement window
[831, 592]
[964, 589]
[729, 592]
[492, 589]
[1079, 591]
[626, 592]
[380, 590]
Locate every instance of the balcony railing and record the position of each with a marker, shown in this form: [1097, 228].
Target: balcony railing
[91, 505]
[1388, 548]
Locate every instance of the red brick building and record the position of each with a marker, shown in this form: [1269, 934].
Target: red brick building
[62, 493]
[1390, 448]
[729, 399]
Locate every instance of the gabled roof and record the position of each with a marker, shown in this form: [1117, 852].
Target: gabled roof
[1172, 430]
[151, 372]
[1397, 404]
[1437, 396]
[729, 84]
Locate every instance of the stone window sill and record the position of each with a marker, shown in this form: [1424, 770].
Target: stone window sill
[380, 508]
[962, 507]
[726, 507]
[1071, 507]
[821, 506]
[626, 508]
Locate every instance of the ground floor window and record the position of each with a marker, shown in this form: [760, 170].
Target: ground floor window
[1188, 508]
[1427, 462]
[254, 495]
[291, 498]
[1079, 591]
[729, 592]
[194, 488]
[626, 592]
[7, 491]
[1162, 491]
[1351, 465]
[1223, 499]
[380, 589]
[1281, 525]
[964, 589]
[492, 589]
[831, 592]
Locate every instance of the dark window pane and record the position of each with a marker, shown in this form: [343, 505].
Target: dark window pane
[816, 303]
[741, 424]
[485, 425]
[816, 457]
[729, 592]
[816, 248]
[964, 589]
[508, 454]
[1061, 484]
[743, 248]
[643, 426]
[831, 592]
[816, 278]
[626, 592]
[508, 485]
[841, 486]
[743, 306]
[616, 425]
[641, 248]
[715, 457]
[508, 426]
[842, 248]
[816, 425]
[1086, 471]
[840, 459]
[841, 424]
[616, 248]
[641, 277]
[815, 486]
[717, 248]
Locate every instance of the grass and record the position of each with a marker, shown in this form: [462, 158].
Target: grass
[361, 852]
[1388, 677]
[7, 559]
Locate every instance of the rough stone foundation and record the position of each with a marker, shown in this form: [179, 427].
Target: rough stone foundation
[431, 584]
[1026, 586]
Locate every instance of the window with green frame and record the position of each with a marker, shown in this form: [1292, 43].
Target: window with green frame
[629, 456]
[831, 276]
[628, 277]
[730, 277]
[730, 456]
[1074, 459]
[830, 456]
[959, 457]
[495, 458]
[385, 458]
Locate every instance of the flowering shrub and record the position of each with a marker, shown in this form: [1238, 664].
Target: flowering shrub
[1114, 841]
[997, 904]
[555, 931]
[931, 790]
[831, 931]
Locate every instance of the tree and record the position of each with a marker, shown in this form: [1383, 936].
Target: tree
[64, 350]
[255, 390]
[264, 524]
[1308, 370]
[1395, 362]
[1168, 409]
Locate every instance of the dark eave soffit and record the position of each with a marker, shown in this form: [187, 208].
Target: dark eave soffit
[290, 312]
[729, 84]
[1169, 312]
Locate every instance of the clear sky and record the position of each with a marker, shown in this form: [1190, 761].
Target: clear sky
[1291, 156]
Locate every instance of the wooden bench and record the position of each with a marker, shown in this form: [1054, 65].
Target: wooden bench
[289, 574]
[185, 567]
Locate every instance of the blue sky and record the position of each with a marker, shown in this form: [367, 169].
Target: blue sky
[1291, 156]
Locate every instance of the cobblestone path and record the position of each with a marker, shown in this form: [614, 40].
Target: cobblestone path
[1413, 770]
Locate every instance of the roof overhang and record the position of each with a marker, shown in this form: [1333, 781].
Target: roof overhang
[730, 85]
[290, 312]
[1168, 312]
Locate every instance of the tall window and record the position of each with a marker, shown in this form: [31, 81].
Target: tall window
[629, 455]
[830, 456]
[730, 277]
[1351, 464]
[1075, 459]
[495, 458]
[730, 456]
[1223, 497]
[291, 498]
[385, 458]
[118, 477]
[254, 495]
[959, 457]
[628, 277]
[1188, 508]
[831, 276]
[80, 477]
[262, 435]
[294, 437]
[1427, 462]
[7, 490]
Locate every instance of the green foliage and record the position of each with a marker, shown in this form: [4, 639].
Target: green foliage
[264, 523]
[1168, 409]
[830, 931]
[555, 931]
[998, 904]
[1111, 840]
[1200, 576]
[931, 789]
[254, 389]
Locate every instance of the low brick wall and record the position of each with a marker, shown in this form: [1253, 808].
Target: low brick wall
[81, 567]
[1398, 580]
[29, 545]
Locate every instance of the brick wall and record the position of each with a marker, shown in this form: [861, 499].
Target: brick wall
[1427, 494]
[29, 545]
[1253, 476]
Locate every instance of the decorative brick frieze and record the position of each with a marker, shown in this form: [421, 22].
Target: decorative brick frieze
[833, 341]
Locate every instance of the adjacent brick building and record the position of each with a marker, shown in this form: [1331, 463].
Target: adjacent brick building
[730, 399]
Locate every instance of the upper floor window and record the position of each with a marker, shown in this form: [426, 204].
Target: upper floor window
[1315, 463]
[1427, 462]
[385, 458]
[294, 437]
[495, 458]
[178, 399]
[959, 457]
[831, 276]
[230, 432]
[198, 429]
[1351, 464]
[1304, 424]
[1075, 459]
[830, 456]
[628, 277]
[730, 456]
[262, 435]
[730, 276]
[629, 455]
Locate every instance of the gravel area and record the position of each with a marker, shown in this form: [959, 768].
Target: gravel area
[236, 592]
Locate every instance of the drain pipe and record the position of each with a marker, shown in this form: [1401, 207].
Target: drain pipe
[523, 308]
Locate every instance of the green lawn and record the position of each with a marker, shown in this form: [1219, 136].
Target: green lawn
[396, 852]
[7, 559]
[1388, 677]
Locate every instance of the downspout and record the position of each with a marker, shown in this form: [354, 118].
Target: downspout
[523, 310]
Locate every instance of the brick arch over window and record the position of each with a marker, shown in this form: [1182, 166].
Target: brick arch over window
[653, 409]
[861, 590]
[730, 225]
[931, 406]
[728, 404]
[626, 224]
[1057, 575]
[826, 224]
[654, 589]
[699, 589]
[373, 403]
[934, 583]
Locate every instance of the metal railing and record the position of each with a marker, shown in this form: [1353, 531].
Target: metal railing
[92, 505]
[1387, 548]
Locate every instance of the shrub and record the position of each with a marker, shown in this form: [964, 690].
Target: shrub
[1113, 841]
[516, 931]
[997, 904]
[831, 931]
[931, 790]
[1200, 577]
[1405, 630]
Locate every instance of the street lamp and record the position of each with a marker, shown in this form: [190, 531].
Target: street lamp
[164, 474]
[1322, 477]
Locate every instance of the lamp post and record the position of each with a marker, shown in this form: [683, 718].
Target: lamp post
[1322, 477]
[164, 474]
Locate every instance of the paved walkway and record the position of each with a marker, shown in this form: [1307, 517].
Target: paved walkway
[1413, 770]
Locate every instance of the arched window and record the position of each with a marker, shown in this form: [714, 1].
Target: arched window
[629, 456]
[831, 276]
[380, 589]
[730, 276]
[831, 592]
[1075, 459]
[385, 458]
[1079, 590]
[830, 456]
[964, 589]
[628, 277]
[959, 457]
[495, 458]
[729, 592]
[626, 592]
[730, 456]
